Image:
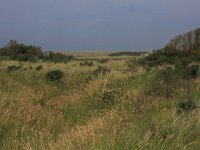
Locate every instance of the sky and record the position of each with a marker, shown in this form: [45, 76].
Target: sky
[96, 24]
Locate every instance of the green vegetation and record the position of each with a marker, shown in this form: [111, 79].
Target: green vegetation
[21, 52]
[38, 68]
[87, 63]
[54, 75]
[101, 71]
[189, 41]
[187, 106]
[57, 57]
[147, 102]
[13, 68]
[127, 53]
[78, 110]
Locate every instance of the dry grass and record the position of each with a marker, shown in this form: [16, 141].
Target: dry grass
[85, 133]
[35, 114]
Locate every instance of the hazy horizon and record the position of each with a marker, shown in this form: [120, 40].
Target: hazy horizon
[96, 24]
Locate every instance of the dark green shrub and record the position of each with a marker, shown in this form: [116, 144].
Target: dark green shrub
[186, 106]
[38, 68]
[162, 83]
[90, 63]
[24, 57]
[108, 97]
[187, 71]
[192, 70]
[161, 57]
[21, 52]
[101, 71]
[54, 75]
[104, 100]
[13, 68]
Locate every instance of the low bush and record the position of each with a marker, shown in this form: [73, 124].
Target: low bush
[24, 57]
[187, 71]
[101, 71]
[193, 70]
[162, 57]
[186, 106]
[108, 96]
[38, 68]
[21, 52]
[90, 63]
[104, 99]
[162, 83]
[13, 68]
[54, 75]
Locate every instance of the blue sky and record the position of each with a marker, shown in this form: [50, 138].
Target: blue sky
[96, 24]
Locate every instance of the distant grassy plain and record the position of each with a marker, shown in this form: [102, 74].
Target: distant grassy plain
[97, 54]
[87, 111]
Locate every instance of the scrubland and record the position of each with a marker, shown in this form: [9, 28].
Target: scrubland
[119, 106]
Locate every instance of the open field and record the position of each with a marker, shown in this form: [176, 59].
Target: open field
[88, 54]
[121, 108]
[95, 55]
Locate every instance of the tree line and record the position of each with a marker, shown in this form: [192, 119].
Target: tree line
[21, 52]
[189, 41]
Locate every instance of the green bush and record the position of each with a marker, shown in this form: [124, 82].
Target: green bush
[161, 57]
[24, 57]
[192, 70]
[187, 71]
[54, 75]
[38, 68]
[13, 68]
[21, 52]
[108, 97]
[186, 106]
[162, 83]
[101, 71]
[90, 63]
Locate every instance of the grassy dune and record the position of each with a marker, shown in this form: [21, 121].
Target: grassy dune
[123, 109]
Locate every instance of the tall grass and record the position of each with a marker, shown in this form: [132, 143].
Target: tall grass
[118, 110]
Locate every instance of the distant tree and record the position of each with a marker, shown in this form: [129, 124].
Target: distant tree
[189, 41]
[21, 52]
